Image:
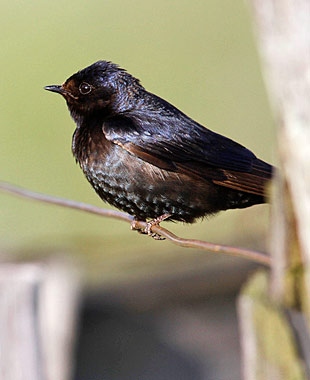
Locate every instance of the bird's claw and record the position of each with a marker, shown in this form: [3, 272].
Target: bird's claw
[135, 227]
[148, 229]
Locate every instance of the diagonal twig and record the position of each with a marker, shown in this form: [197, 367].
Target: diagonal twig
[188, 243]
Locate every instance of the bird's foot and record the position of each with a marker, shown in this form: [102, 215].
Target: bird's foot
[149, 225]
[134, 226]
[155, 222]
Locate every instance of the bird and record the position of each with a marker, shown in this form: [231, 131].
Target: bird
[147, 158]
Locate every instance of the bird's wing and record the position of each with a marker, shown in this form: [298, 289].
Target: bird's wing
[182, 145]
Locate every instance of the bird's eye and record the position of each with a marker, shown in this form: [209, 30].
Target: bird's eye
[85, 88]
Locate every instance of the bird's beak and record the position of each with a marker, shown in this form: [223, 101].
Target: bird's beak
[60, 90]
[55, 88]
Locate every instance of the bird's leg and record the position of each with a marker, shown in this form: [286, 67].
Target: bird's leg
[155, 222]
[150, 224]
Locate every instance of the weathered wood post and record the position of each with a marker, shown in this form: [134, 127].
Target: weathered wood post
[38, 309]
[274, 308]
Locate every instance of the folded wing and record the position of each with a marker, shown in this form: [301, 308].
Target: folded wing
[177, 143]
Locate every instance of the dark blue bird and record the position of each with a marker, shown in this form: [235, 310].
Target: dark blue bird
[144, 156]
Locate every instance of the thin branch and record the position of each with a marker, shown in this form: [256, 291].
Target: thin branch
[188, 243]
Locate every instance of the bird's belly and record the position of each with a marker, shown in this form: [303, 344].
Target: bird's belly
[144, 190]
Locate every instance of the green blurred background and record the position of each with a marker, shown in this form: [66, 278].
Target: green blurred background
[200, 56]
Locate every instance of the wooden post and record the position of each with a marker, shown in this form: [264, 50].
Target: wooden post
[38, 305]
[274, 309]
[20, 348]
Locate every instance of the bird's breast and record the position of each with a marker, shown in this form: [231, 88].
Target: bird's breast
[133, 185]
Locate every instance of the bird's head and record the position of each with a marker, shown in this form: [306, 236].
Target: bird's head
[102, 87]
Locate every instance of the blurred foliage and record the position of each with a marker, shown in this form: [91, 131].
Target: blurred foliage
[198, 55]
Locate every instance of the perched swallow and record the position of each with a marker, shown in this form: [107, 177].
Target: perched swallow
[144, 156]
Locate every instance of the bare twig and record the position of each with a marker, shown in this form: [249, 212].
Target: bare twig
[188, 243]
